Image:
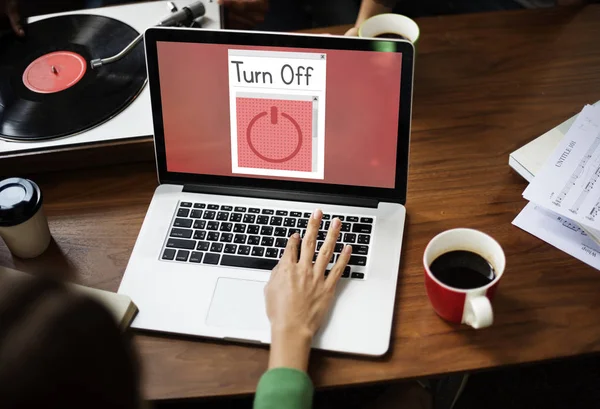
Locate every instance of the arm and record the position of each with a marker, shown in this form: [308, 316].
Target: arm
[297, 299]
[368, 9]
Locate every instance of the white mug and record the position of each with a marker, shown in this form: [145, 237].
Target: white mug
[390, 23]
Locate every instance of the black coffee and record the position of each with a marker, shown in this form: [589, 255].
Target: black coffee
[391, 35]
[463, 269]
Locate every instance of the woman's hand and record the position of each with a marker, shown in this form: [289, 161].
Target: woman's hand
[298, 295]
[10, 8]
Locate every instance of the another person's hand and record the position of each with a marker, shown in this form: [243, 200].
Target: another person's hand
[353, 32]
[10, 8]
[298, 295]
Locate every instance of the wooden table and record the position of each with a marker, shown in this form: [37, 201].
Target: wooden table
[485, 85]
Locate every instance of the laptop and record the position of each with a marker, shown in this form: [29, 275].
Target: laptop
[253, 132]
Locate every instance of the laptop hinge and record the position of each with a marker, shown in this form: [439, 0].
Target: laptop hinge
[293, 196]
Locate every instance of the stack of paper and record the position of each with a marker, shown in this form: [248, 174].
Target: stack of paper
[564, 196]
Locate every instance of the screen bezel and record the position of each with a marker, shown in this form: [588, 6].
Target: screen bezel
[253, 38]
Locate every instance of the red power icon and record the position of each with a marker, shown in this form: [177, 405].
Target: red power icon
[274, 121]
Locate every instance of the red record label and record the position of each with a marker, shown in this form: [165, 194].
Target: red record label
[54, 72]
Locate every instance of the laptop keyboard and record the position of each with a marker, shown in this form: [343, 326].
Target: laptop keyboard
[253, 237]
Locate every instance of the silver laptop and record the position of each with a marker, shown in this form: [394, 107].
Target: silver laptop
[253, 132]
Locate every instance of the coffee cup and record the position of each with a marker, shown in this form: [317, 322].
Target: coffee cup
[23, 225]
[390, 25]
[462, 270]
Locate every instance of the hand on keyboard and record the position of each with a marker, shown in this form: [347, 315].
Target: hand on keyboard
[298, 296]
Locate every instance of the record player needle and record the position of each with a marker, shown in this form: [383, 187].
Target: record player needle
[54, 70]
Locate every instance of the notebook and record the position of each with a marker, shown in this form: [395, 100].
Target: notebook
[121, 306]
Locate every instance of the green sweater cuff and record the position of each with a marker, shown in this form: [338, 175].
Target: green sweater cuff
[284, 388]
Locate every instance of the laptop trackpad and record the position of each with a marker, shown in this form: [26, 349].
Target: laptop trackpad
[238, 304]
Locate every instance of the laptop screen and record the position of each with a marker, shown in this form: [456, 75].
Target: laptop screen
[311, 115]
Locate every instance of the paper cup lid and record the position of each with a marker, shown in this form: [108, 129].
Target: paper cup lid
[20, 199]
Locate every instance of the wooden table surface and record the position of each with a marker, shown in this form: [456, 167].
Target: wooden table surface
[485, 85]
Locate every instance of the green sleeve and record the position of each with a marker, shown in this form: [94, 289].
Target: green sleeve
[284, 388]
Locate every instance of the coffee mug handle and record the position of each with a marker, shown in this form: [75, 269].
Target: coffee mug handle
[478, 312]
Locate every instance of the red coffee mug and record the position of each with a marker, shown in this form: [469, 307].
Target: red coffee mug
[471, 306]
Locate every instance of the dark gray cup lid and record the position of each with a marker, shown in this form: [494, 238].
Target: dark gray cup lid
[20, 199]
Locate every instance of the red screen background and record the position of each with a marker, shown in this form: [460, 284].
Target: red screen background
[361, 112]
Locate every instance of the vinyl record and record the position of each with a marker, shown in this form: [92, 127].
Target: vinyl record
[47, 86]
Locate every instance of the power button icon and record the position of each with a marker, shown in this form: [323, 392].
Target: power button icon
[275, 118]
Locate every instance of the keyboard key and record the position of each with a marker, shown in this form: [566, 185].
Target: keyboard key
[235, 217]
[339, 238]
[281, 253]
[239, 228]
[168, 254]
[240, 239]
[185, 204]
[362, 250]
[276, 221]
[196, 214]
[230, 249]
[289, 222]
[307, 215]
[199, 224]
[262, 220]
[254, 229]
[358, 275]
[244, 250]
[211, 258]
[338, 248]
[296, 214]
[182, 222]
[292, 231]
[182, 255]
[345, 226]
[280, 232]
[268, 211]
[249, 262]
[223, 216]
[326, 217]
[254, 240]
[240, 209]
[227, 208]
[253, 210]
[337, 216]
[368, 220]
[352, 219]
[227, 227]
[199, 235]
[266, 230]
[321, 235]
[302, 223]
[281, 212]
[319, 245]
[258, 251]
[181, 233]
[349, 238]
[203, 245]
[267, 241]
[212, 236]
[281, 243]
[358, 261]
[181, 244]
[212, 225]
[226, 237]
[361, 228]
[213, 207]
[271, 253]
[346, 272]
[364, 239]
[327, 224]
[196, 257]
[216, 247]
[199, 206]
[249, 218]
[209, 215]
[183, 212]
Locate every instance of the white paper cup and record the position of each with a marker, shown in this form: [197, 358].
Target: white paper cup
[23, 225]
[390, 23]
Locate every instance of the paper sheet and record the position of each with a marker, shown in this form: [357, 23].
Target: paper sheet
[569, 182]
[560, 232]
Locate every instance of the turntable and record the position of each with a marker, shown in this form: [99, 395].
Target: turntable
[52, 100]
